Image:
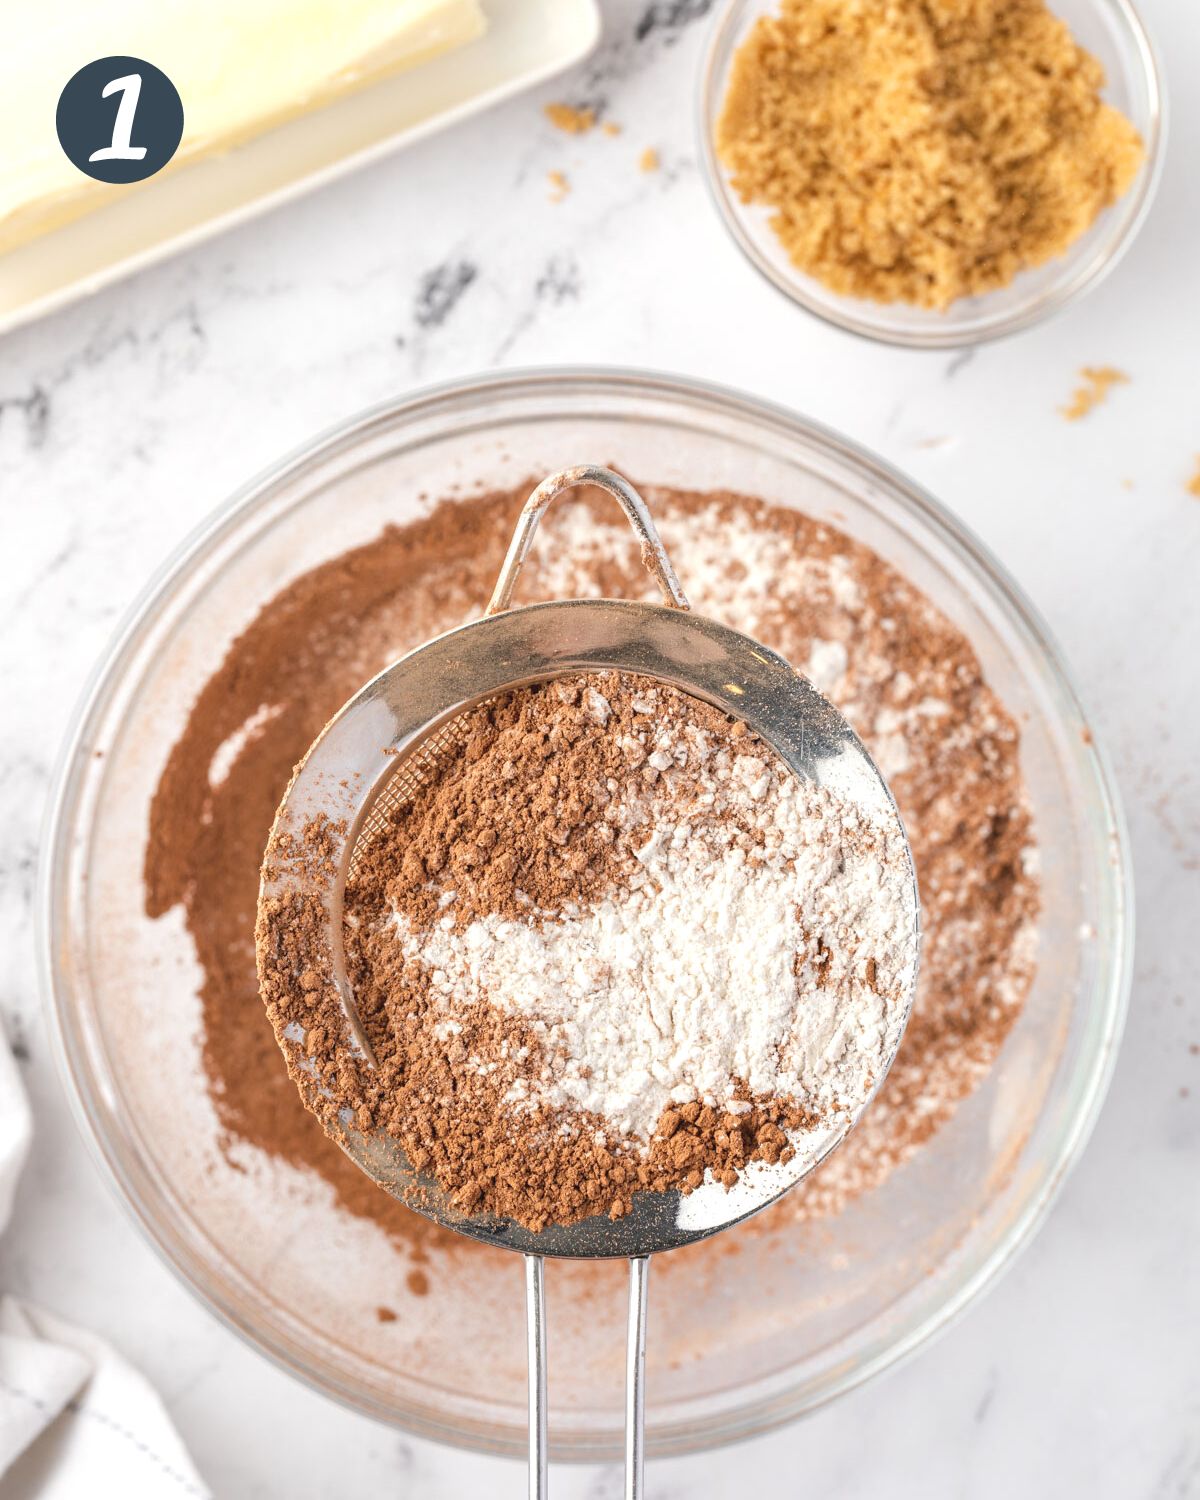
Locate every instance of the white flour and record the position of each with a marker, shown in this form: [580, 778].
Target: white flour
[764, 938]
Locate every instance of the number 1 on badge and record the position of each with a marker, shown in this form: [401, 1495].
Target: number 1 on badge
[130, 88]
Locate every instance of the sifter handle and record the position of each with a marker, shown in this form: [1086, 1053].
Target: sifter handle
[535, 1330]
[635, 1377]
[654, 555]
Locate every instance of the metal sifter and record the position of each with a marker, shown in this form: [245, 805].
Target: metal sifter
[381, 751]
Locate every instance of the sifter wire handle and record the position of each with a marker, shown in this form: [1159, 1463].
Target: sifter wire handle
[535, 1332]
[635, 1376]
[654, 556]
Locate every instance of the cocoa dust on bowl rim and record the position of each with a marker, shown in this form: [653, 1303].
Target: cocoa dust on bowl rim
[783, 1334]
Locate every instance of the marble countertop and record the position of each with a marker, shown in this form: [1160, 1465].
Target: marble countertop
[125, 419]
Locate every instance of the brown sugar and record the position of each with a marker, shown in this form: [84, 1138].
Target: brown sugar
[567, 118]
[922, 150]
[1193, 485]
[1096, 381]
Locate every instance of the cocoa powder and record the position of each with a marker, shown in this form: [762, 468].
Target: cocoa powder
[522, 819]
[324, 634]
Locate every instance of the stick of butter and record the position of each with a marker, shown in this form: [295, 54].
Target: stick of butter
[241, 67]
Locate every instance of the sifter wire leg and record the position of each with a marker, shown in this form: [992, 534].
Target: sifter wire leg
[635, 1377]
[535, 1330]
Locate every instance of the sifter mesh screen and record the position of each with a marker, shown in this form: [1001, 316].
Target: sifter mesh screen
[411, 774]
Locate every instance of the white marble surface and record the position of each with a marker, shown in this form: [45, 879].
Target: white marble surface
[125, 419]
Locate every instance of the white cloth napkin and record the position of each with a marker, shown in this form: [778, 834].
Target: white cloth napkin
[75, 1419]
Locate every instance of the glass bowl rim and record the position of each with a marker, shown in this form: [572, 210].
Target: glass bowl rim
[859, 317]
[85, 1089]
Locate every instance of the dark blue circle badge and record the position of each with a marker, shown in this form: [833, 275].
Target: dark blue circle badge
[120, 119]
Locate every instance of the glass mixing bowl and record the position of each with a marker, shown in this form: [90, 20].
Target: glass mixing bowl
[1111, 31]
[792, 1322]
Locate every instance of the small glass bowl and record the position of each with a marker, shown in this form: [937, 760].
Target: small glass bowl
[804, 1312]
[1113, 32]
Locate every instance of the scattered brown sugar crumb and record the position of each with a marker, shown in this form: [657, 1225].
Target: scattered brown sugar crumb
[610, 127]
[385, 1314]
[648, 161]
[417, 1282]
[1193, 485]
[559, 186]
[1097, 381]
[567, 118]
[922, 150]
